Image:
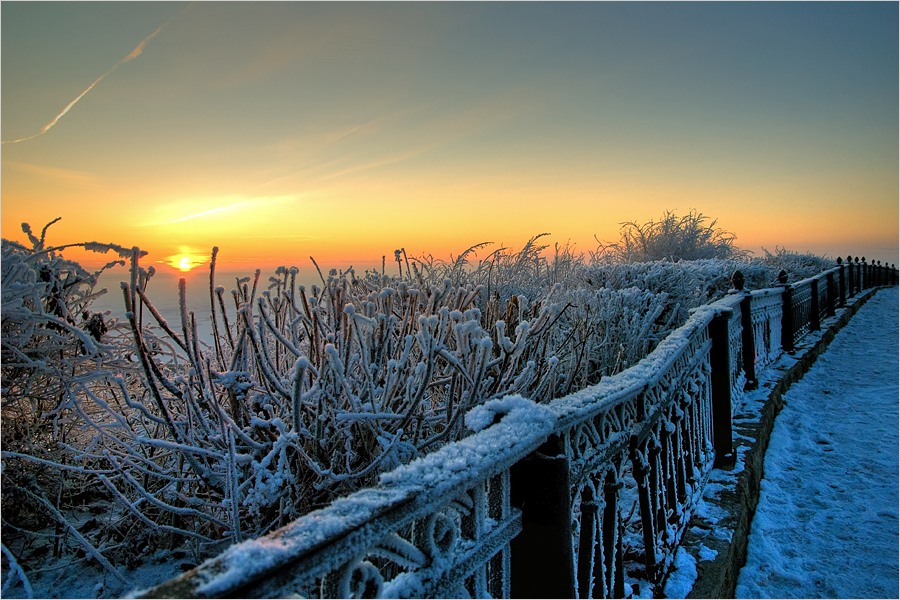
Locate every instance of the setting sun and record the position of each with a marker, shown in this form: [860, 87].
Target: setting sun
[185, 264]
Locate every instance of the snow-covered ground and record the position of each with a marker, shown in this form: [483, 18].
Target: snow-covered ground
[827, 521]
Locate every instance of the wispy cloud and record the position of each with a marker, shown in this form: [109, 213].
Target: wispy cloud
[403, 135]
[131, 55]
[248, 209]
[60, 175]
[202, 214]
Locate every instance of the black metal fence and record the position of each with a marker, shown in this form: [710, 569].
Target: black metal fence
[557, 500]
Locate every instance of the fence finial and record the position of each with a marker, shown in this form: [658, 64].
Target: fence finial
[840, 260]
[783, 277]
[737, 281]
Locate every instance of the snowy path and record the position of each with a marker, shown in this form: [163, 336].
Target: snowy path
[827, 521]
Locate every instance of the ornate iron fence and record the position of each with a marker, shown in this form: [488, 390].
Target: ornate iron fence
[764, 310]
[574, 498]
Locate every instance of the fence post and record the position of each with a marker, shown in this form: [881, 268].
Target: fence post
[540, 488]
[851, 290]
[720, 375]
[842, 284]
[860, 271]
[829, 296]
[866, 274]
[880, 278]
[748, 342]
[787, 314]
[613, 548]
[814, 323]
[859, 277]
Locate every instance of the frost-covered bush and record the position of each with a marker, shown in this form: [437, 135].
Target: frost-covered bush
[304, 394]
[50, 338]
[50, 341]
[692, 283]
[797, 266]
[673, 238]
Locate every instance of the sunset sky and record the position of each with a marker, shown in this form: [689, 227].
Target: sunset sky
[277, 131]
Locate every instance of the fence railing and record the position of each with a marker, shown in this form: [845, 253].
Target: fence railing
[556, 500]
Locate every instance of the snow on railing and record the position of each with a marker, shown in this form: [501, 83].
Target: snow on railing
[588, 487]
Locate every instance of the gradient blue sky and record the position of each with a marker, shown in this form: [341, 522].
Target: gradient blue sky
[343, 131]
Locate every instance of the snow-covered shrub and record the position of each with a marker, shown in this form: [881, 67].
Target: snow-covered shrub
[797, 266]
[693, 283]
[50, 341]
[50, 337]
[672, 238]
[305, 394]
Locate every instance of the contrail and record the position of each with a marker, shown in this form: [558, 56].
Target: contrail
[132, 55]
[205, 212]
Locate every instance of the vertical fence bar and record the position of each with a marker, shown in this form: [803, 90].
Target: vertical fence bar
[814, 322]
[851, 279]
[641, 470]
[842, 284]
[587, 540]
[866, 277]
[540, 488]
[829, 280]
[787, 315]
[720, 374]
[613, 552]
[498, 509]
[861, 271]
[749, 342]
[860, 281]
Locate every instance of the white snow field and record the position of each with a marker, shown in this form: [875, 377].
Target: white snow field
[827, 521]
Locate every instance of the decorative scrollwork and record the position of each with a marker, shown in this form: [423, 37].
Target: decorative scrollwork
[365, 581]
[357, 579]
[438, 537]
[765, 317]
[801, 304]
